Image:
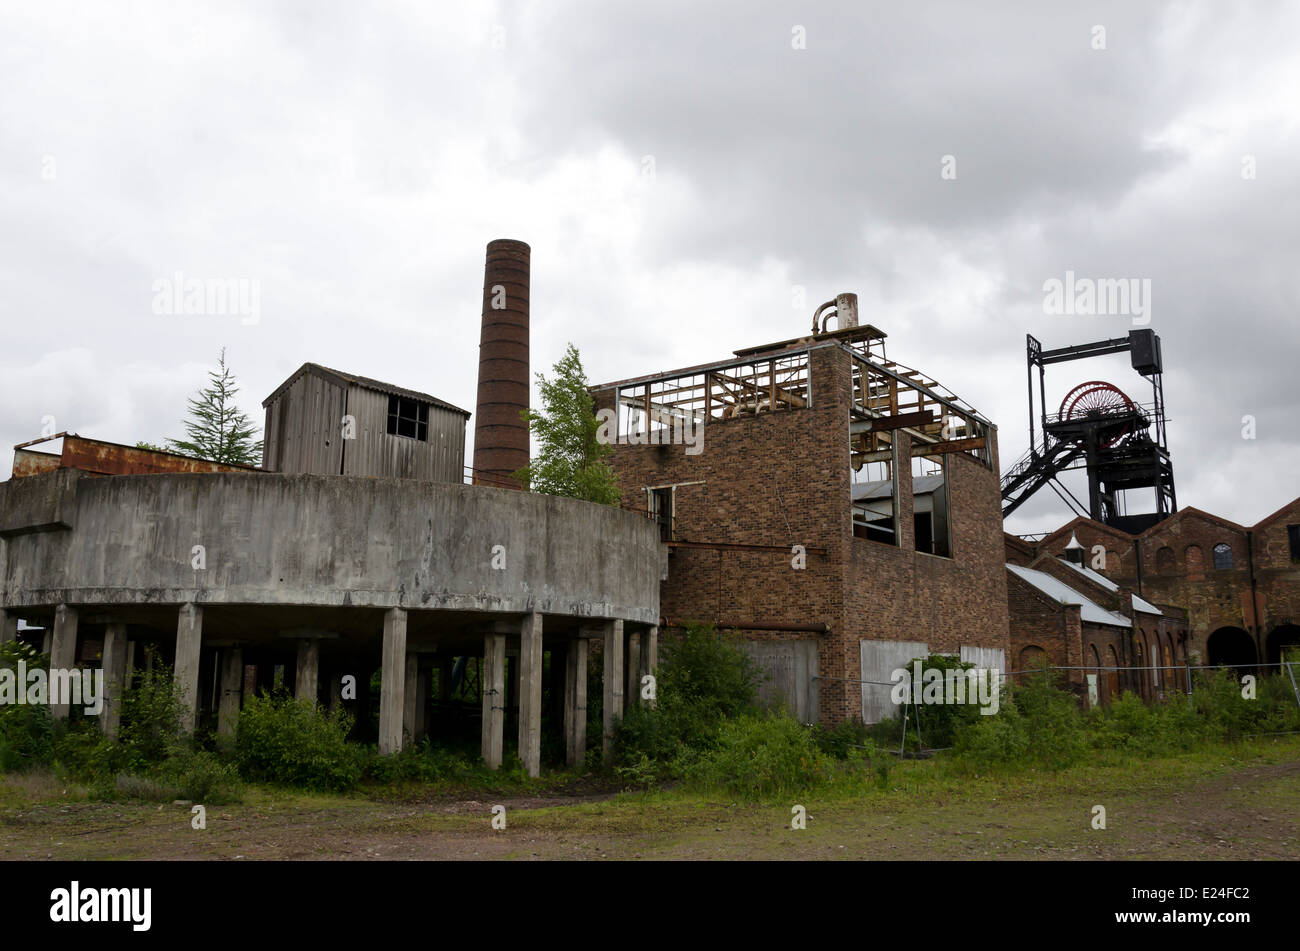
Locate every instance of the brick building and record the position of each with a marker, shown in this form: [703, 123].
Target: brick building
[1240, 585]
[1065, 614]
[839, 509]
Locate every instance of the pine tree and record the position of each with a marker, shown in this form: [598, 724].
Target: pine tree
[217, 430]
[570, 461]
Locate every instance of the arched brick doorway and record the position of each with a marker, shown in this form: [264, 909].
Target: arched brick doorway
[1112, 675]
[1284, 635]
[1231, 647]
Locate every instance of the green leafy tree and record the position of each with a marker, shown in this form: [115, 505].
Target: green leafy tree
[216, 429]
[570, 460]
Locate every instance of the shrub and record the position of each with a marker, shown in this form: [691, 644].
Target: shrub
[26, 730]
[1052, 720]
[151, 720]
[703, 679]
[842, 740]
[201, 776]
[295, 742]
[1000, 739]
[761, 756]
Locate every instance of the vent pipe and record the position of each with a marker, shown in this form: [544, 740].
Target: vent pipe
[500, 432]
[846, 310]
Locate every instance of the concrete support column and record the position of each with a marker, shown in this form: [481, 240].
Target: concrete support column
[575, 702]
[336, 690]
[307, 678]
[411, 708]
[492, 684]
[63, 652]
[8, 626]
[110, 717]
[613, 653]
[530, 693]
[189, 642]
[632, 661]
[445, 665]
[392, 689]
[650, 657]
[232, 687]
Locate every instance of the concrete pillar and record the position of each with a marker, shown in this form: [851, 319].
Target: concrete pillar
[130, 666]
[336, 689]
[307, 678]
[189, 641]
[445, 664]
[392, 689]
[232, 687]
[63, 652]
[632, 662]
[575, 702]
[650, 657]
[613, 653]
[422, 681]
[8, 626]
[492, 684]
[530, 693]
[411, 700]
[110, 717]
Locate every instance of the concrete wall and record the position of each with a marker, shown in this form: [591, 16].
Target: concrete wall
[321, 540]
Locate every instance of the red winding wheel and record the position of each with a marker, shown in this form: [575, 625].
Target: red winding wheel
[1098, 399]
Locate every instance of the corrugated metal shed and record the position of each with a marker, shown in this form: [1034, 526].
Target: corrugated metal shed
[306, 429]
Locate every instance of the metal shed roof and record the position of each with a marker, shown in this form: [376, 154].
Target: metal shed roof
[339, 378]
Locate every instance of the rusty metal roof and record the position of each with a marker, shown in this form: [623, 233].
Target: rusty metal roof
[339, 378]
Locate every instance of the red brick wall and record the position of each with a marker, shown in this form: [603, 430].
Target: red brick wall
[783, 479]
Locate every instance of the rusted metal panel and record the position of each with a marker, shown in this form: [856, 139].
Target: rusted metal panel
[106, 458]
[29, 463]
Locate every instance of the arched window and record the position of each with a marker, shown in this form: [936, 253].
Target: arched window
[1195, 560]
[1222, 557]
[1165, 561]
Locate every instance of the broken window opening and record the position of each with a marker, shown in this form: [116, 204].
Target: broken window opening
[930, 505]
[408, 418]
[660, 504]
[874, 497]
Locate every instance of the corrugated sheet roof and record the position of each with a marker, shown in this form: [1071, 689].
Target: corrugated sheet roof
[1146, 606]
[351, 379]
[1092, 575]
[1059, 591]
[921, 485]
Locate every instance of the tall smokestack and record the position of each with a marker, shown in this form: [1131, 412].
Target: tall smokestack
[500, 433]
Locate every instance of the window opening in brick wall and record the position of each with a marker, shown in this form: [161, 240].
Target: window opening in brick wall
[930, 515]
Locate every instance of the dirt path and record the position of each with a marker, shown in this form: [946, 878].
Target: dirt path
[1238, 813]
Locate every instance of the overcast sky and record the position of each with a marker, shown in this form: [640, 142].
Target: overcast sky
[693, 178]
